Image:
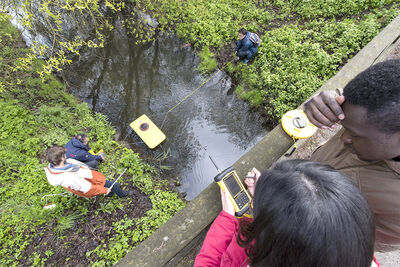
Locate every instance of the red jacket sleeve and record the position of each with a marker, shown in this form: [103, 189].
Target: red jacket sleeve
[218, 238]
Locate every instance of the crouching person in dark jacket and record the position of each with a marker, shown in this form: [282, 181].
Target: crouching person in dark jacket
[78, 149]
[245, 48]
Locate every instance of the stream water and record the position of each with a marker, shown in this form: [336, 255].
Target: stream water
[124, 81]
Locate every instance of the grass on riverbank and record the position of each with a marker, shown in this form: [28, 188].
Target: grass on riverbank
[34, 115]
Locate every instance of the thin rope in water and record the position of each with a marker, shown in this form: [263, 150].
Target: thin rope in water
[189, 95]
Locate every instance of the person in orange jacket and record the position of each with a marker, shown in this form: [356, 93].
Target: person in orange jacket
[77, 177]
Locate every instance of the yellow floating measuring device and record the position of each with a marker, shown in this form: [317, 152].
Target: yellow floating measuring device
[296, 124]
[148, 131]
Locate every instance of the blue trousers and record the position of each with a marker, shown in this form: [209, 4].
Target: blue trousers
[245, 55]
[116, 189]
[93, 164]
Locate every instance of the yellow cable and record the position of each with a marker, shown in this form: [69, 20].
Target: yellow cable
[189, 95]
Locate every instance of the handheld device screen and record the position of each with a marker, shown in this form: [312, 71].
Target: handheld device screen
[232, 185]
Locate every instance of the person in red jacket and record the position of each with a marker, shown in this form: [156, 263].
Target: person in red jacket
[305, 214]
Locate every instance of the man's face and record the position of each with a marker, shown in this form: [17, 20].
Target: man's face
[85, 141]
[367, 141]
[241, 36]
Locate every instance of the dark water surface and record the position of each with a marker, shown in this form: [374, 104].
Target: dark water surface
[124, 81]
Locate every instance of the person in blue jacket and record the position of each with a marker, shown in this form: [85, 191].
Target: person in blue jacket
[78, 149]
[245, 49]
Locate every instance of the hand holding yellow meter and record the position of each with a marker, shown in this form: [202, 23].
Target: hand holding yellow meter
[230, 182]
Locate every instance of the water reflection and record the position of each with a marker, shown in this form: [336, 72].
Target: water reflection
[124, 81]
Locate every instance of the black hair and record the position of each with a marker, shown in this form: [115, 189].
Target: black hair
[243, 31]
[81, 137]
[55, 154]
[377, 89]
[308, 214]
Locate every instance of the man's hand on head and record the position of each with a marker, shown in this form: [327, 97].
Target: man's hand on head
[324, 110]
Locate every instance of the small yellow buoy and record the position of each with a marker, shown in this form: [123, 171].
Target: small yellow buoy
[296, 124]
[148, 131]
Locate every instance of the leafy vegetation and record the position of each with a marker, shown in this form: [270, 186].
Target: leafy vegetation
[35, 113]
[208, 62]
[303, 44]
[294, 61]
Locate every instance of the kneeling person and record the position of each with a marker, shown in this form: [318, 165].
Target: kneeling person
[245, 48]
[78, 148]
[79, 180]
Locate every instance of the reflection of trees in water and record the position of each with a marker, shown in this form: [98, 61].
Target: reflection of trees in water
[229, 115]
[138, 105]
[182, 141]
[124, 81]
[241, 124]
[95, 91]
[119, 81]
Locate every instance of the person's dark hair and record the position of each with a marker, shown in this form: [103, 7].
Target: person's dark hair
[243, 31]
[81, 137]
[308, 214]
[377, 89]
[55, 154]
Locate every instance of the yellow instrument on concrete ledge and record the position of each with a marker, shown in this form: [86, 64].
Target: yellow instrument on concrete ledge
[151, 135]
[296, 124]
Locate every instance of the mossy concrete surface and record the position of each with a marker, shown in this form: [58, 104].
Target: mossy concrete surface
[170, 243]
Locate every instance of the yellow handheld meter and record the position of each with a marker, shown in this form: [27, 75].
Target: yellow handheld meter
[230, 182]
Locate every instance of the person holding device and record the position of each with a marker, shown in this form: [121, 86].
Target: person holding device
[77, 178]
[305, 214]
[230, 183]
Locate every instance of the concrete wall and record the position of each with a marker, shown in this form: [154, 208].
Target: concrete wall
[170, 243]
